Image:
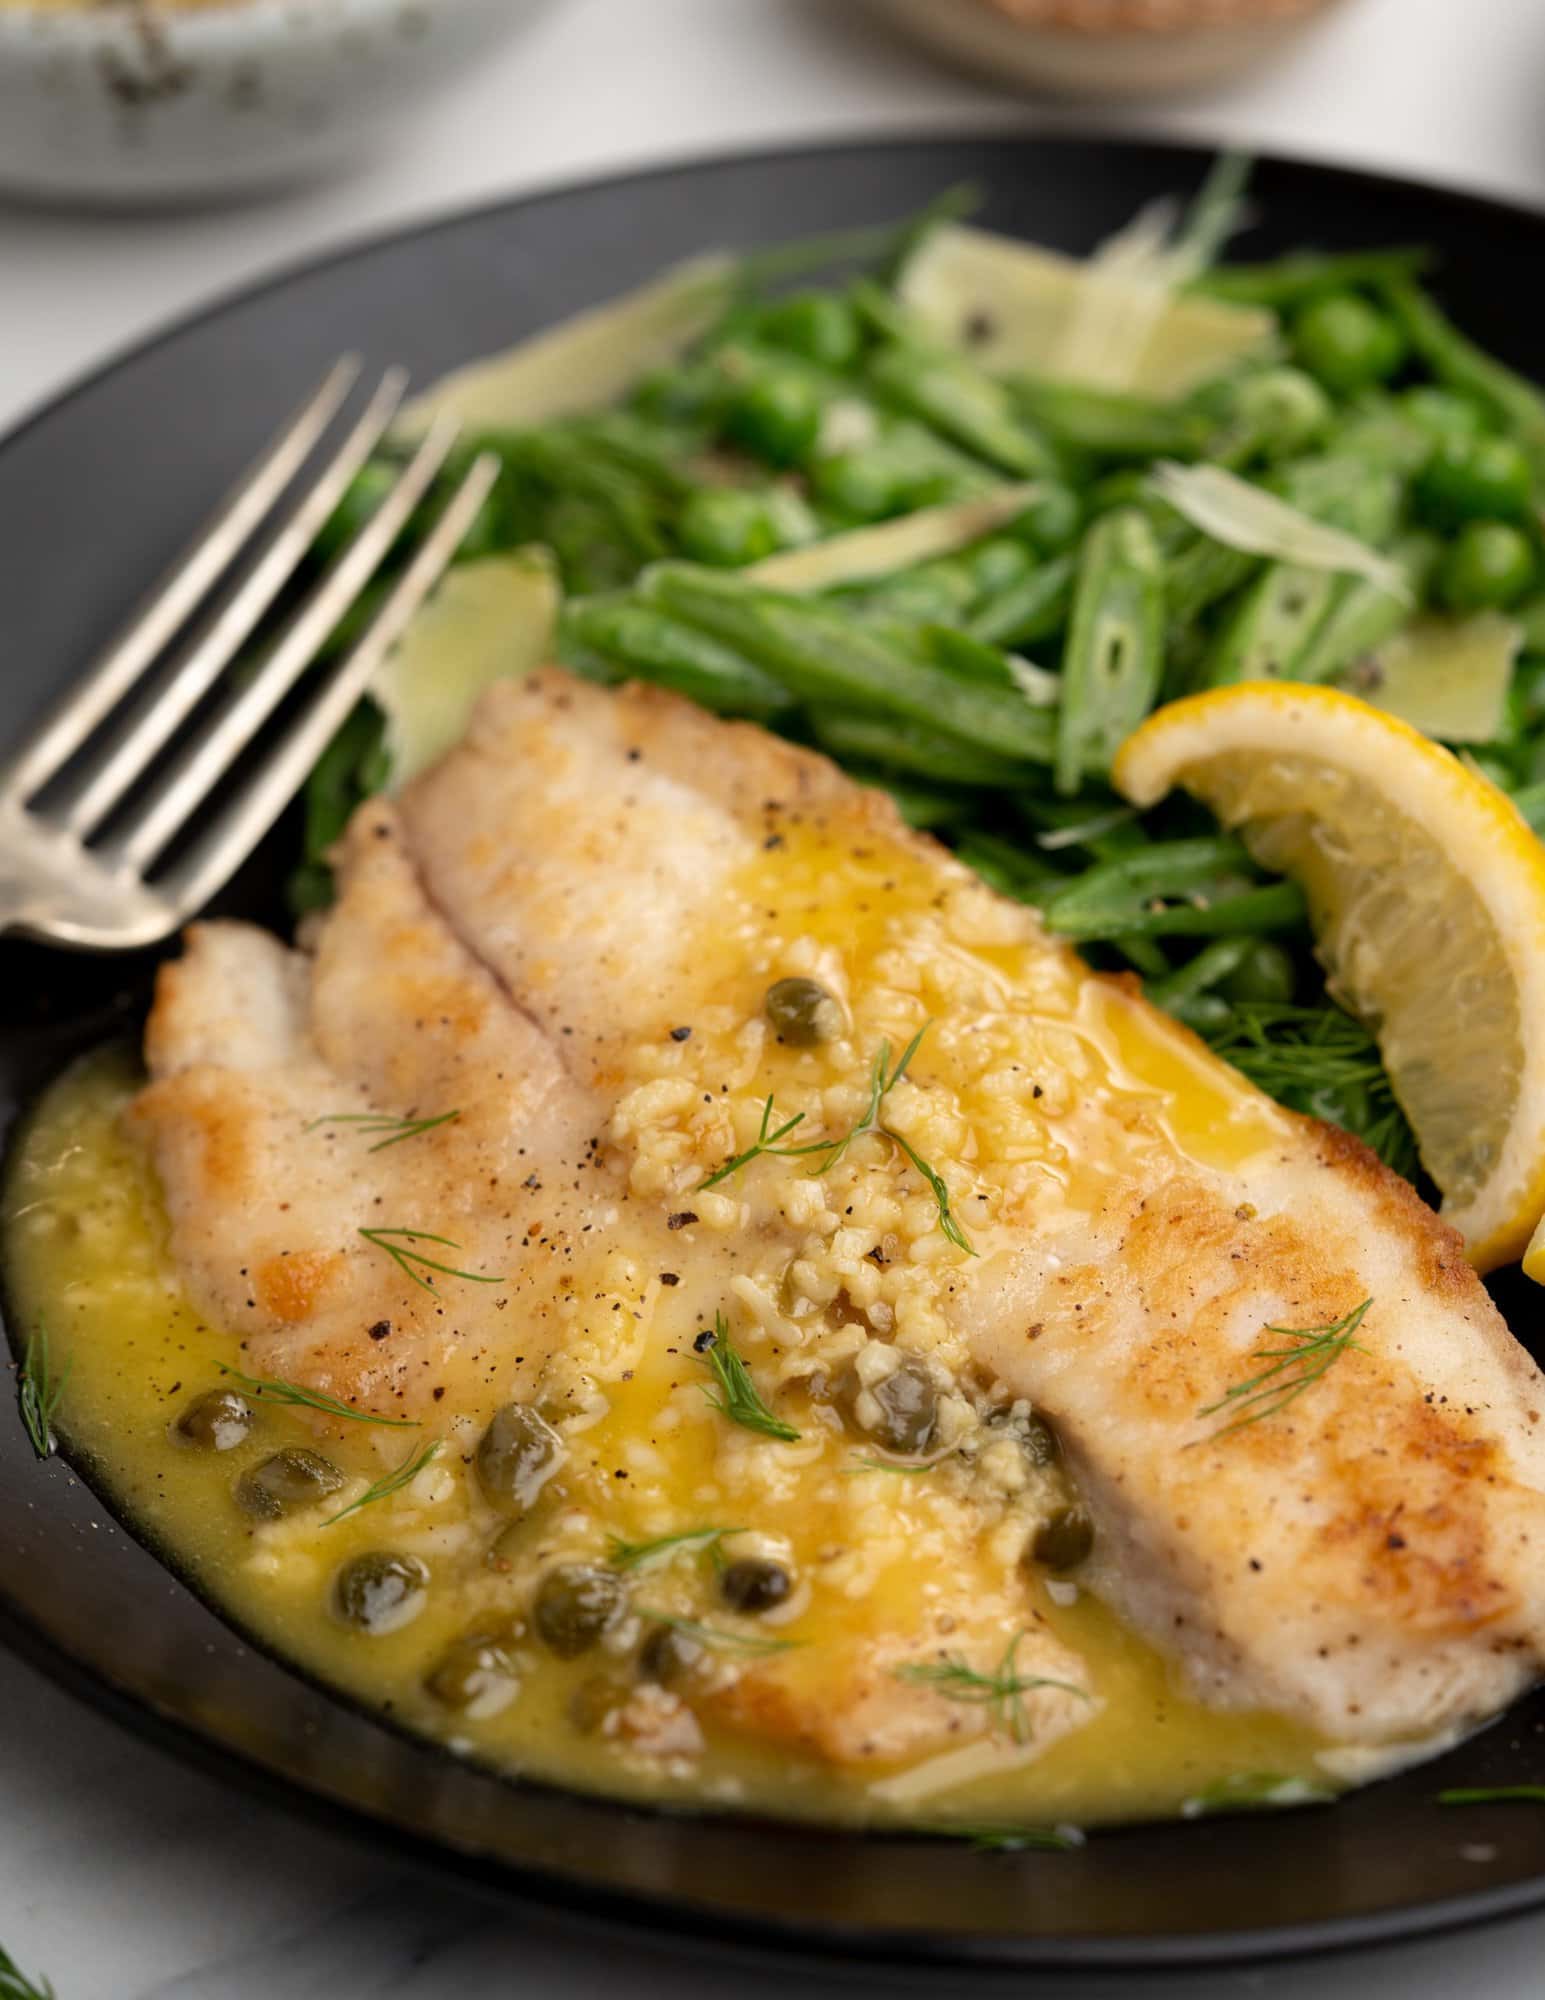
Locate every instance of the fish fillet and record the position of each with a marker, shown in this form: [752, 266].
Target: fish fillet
[563, 933]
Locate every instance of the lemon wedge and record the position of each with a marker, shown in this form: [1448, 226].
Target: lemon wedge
[1426, 889]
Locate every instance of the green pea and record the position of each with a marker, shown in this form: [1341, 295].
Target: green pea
[574, 1606]
[1490, 565]
[1446, 417]
[379, 1591]
[777, 417]
[816, 325]
[863, 484]
[995, 565]
[1346, 343]
[802, 1013]
[291, 1479]
[1472, 479]
[1266, 972]
[216, 1421]
[1050, 520]
[726, 526]
[1283, 410]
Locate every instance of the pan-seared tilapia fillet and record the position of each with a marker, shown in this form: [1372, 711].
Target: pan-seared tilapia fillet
[564, 932]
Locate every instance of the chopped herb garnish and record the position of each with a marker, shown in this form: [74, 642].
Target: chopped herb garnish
[766, 1141]
[1494, 1795]
[1322, 1061]
[1292, 1371]
[988, 1838]
[1254, 1791]
[738, 1397]
[14, 1983]
[635, 1555]
[1003, 1690]
[38, 1392]
[270, 1391]
[388, 1483]
[723, 1641]
[404, 1256]
[882, 1081]
[370, 1122]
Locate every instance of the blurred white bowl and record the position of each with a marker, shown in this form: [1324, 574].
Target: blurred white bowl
[137, 103]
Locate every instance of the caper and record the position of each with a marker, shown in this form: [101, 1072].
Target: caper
[754, 1583]
[472, 1667]
[802, 1013]
[216, 1421]
[905, 1407]
[574, 1605]
[505, 1549]
[1064, 1539]
[596, 1700]
[516, 1456]
[670, 1655]
[287, 1481]
[380, 1591]
[1039, 1442]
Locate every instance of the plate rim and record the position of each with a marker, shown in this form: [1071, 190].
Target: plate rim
[571, 1900]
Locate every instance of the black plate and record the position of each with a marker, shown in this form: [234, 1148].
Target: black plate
[96, 495]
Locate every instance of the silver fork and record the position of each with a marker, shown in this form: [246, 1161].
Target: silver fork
[61, 877]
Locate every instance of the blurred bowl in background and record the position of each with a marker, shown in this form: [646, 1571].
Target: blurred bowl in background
[1105, 48]
[143, 101]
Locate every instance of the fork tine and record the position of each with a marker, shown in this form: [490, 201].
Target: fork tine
[158, 621]
[201, 768]
[217, 645]
[222, 850]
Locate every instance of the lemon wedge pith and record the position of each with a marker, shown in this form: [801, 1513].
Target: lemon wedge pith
[1426, 889]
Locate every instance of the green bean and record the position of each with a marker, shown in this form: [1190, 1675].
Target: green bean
[1530, 801]
[822, 657]
[996, 564]
[923, 806]
[1033, 609]
[1275, 620]
[973, 660]
[1143, 954]
[1289, 281]
[1115, 652]
[933, 590]
[965, 404]
[1459, 364]
[1246, 912]
[1110, 424]
[1363, 614]
[1214, 962]
[912, 748]
[1009, 869]
[661, 649]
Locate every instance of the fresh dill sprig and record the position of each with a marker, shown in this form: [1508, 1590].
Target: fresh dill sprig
[1322, 1061]
[718, 1638]
[738, 1397]
[1254, 1791]
[1292, 1371]
[404, 1256]
[398, 1129]
[990, 1838]
[1494, 1795]
[635, 1555]
[388, 1483]
[766, 1141]
[882, 1081]
[1003, 1690]
[38, 1392]
[268, 1390]
[15, 1985]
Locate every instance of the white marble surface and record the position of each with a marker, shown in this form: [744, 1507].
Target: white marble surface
[123, 1876]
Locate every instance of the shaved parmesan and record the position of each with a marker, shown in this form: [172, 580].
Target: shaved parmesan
[1247, 517]
[894, 545]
